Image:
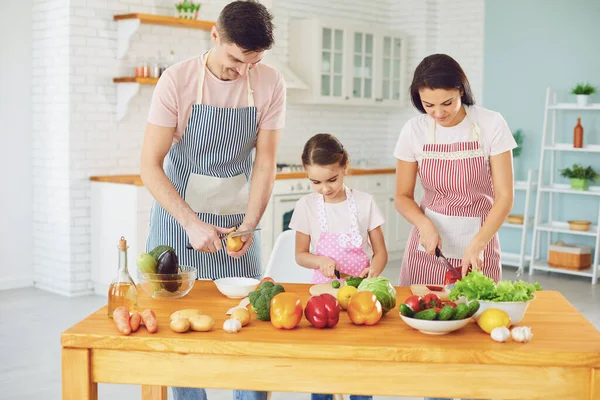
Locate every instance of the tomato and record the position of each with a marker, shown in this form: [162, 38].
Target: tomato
[432, 300]
[435, 288]
[414, 302]
[451, 304]
[437, 309]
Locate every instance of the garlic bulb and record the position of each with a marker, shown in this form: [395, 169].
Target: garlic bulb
[232, 325]
[522, 334]
[500, 334]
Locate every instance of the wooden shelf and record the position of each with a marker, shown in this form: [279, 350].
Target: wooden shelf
[164, 20]
[133, 79]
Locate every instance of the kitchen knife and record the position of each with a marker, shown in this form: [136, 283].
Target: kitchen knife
[438, 254]
[223, 235]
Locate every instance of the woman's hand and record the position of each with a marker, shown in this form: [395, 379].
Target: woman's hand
[472, 258]
[327, 267]
[430, 237]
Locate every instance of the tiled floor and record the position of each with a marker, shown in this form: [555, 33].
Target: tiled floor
[31, 322]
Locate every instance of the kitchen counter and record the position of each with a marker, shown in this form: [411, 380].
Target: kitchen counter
[137, 180]
[561, 362]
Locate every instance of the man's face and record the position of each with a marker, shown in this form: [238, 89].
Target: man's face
[232, 61]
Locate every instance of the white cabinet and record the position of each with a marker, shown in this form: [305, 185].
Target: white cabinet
[347, 64]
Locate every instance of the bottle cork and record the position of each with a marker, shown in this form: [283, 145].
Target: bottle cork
[122, 244]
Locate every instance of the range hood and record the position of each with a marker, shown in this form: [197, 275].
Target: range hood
[292, 80]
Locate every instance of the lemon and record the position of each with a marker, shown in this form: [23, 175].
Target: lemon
[493, 318]
[344, 295]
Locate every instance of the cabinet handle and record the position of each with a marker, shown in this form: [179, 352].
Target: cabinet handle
[378, 183]
[379, 99]
[288, 200]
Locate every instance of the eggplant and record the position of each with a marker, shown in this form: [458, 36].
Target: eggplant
[167, 263]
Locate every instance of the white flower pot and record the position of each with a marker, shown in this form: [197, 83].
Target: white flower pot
[582, 100]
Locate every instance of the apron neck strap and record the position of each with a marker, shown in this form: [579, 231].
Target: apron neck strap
[351, 208]
[201, 82]
[475, 130]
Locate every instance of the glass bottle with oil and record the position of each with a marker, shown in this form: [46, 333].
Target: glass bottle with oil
[122, 291]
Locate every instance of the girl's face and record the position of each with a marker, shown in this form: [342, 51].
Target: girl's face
[328, 180]
[443, 105]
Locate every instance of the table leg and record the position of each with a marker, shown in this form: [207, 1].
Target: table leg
[77, 375]
[154, 392]
[595, 384]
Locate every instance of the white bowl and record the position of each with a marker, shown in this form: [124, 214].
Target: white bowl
[236, 288]
[515, 309]
[435, 327]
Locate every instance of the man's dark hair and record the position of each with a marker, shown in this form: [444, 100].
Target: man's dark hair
[247, 24]
[440, 71]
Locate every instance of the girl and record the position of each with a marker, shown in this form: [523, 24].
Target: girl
[342, 226]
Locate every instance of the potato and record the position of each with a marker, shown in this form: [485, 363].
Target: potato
[241, 314]
[234, 244]
[180, 325]
[201, 323]
[187, 313]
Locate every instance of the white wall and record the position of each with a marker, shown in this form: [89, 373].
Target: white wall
[16, 268]
[76, 134]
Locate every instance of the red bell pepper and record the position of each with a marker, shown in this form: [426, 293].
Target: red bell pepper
[322, 311]
[286, 310]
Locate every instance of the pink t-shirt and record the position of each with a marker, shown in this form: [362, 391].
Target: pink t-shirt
[496, 137]
[306, 218]
[176, 91]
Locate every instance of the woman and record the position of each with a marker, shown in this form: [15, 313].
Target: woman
[463, 155]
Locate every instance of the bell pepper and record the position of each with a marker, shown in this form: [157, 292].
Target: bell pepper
[322, 311]
[286, 310]
[364, 308]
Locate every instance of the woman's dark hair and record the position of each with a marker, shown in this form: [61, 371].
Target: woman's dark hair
[440, 71]
[247, 24]
[324, 149]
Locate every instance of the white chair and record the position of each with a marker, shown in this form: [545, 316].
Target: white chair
[282, 265]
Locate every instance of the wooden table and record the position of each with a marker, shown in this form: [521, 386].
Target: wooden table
[561, 362]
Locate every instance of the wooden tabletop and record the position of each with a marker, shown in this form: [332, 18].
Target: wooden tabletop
[562, 336]
[137, 180]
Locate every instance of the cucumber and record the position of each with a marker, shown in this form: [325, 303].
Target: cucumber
[335, 284]
[473, 308]
[158, 250]
[446, 313]
[429, 314]
[461, 311]
[406, 311]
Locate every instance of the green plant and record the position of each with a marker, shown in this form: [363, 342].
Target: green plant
[583, 88]
[579, 172]
[518, 135]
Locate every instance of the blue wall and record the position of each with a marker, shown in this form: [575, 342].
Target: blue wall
[528, 46]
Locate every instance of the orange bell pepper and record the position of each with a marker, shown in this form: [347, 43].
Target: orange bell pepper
[286, 310]
[364, 308]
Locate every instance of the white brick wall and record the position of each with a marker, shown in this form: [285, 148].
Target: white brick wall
[77, 135]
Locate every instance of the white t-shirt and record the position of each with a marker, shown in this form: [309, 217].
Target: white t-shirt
[306, 218]
[496, 137]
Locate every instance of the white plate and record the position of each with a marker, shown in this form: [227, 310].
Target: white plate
[236, 288]
[435, 327]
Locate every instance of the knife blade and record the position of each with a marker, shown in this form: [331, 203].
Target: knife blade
[446, 263]
[224, 235]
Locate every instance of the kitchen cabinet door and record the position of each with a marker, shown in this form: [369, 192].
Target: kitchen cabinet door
[362, 72]
[392, 69]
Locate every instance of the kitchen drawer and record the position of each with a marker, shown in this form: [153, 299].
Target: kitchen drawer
[379, 184]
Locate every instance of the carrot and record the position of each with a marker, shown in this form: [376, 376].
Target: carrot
[121, 318]
[149, 319]
[135, 320]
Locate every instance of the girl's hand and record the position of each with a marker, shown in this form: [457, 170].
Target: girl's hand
[327, 267]
[370, 272]
[472, 258]
[430, 237]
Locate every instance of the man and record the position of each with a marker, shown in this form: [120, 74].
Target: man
[209, 114]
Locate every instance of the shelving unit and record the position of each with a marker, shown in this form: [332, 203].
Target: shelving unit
[520, 259]
[547, 188]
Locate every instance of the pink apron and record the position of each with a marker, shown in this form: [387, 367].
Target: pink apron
[343, 248]
[458, 195]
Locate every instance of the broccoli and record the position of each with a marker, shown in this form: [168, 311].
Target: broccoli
[354, 281]
[261, 299]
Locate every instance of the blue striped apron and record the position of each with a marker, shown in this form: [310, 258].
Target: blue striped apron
[210, 168]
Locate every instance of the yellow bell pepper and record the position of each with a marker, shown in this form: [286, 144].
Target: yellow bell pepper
[286, 310]
[364, 309]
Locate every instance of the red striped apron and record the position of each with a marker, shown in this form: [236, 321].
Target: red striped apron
[458, 195]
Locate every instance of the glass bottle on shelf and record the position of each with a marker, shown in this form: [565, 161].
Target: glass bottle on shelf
[122, 291]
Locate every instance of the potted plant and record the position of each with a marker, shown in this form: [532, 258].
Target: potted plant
[583, 91]
[518, 136]
[580, 176]
[187, 9]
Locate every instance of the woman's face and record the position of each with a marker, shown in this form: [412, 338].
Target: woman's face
[328, 180]
[443, 105]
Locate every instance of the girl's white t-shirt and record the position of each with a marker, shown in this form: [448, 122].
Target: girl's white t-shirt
[496, 137]
[305, 218]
